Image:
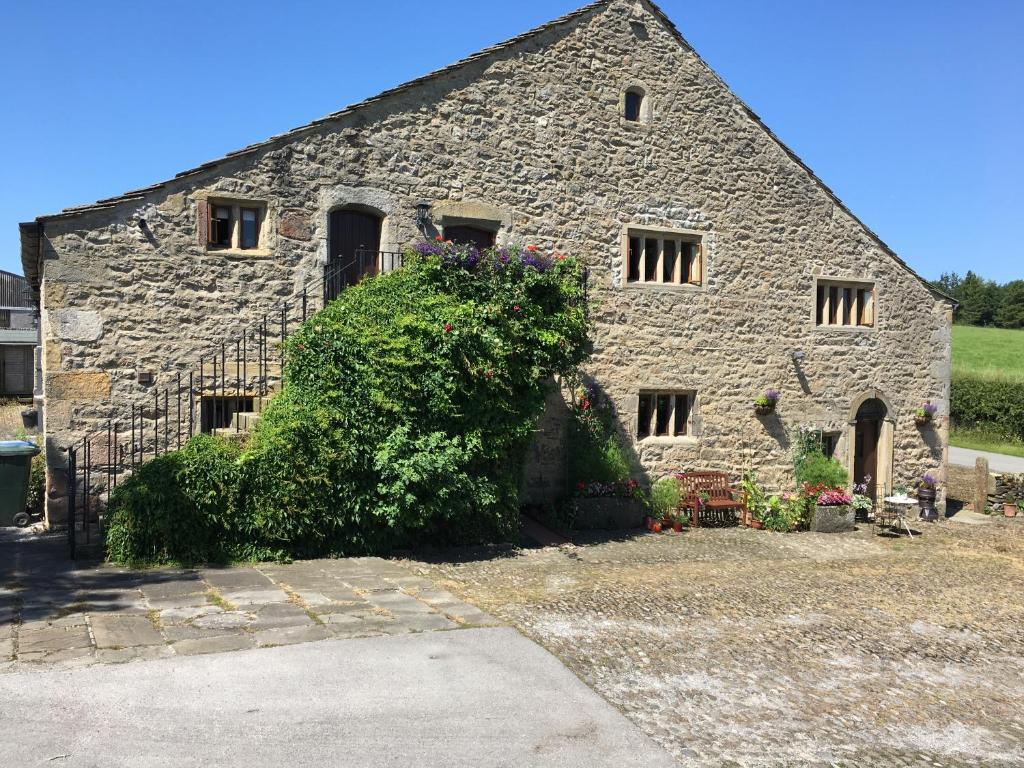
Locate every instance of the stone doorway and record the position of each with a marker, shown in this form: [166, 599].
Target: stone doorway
[872, 446]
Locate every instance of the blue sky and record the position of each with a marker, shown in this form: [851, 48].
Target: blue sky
[912, 111]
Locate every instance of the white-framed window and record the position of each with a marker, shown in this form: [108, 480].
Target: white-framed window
[664, 256]
[665, 413]
[844, 304]
[234, 225]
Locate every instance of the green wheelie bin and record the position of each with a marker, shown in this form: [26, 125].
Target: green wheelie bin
[15, 470]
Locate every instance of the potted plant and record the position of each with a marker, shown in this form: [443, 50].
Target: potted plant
[863, 505]
[926, 497]
[766, 403]
[925, 414]
[1010, 507]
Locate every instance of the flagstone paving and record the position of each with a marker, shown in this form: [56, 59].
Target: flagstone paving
[52, 611]
[735, 647]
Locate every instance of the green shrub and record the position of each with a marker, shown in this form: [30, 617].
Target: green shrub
[180, 507]
[665, 497]
[597, 452]
[987, 403]
[37, 484]
[411, 401]
[818, 468]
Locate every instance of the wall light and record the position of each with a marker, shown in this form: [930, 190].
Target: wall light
[422, 215]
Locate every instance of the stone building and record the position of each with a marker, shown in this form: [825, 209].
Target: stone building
[720, 265]
[19, 337]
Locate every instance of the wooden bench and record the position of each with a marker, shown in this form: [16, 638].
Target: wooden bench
[722, 498]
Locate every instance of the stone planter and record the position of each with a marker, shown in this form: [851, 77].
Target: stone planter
[833, 519]
[608, 513]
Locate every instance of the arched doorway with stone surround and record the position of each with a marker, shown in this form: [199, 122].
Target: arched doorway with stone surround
[871, 437]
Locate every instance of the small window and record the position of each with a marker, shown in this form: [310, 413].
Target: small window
[5, 318]
[664, 257]
[845, 305]
[633, 105]
[464, 233]
[220, 226]
[664, 414]
[250, 235]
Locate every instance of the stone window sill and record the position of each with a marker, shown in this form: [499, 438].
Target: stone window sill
[241, 253]
[845, 329]
[635, 285]
[685, 441]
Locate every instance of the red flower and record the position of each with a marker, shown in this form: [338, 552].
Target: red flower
[516, 308]
[585, 404]
[559, 256]
[580, 485]
[438, 238]
[531, 248]
[447, 327]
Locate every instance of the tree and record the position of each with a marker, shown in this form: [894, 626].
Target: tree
[1011, 312]
[979, 300]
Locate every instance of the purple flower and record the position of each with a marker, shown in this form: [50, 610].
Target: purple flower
[928, 481]
[426, 248]
[930, 408]
[772, 394]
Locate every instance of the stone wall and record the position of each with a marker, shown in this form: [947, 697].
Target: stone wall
[1006, 488]
[532, 134]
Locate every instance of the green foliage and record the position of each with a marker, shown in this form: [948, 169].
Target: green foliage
[818, 468]
[37, 484]
[597, 453]
[995, 405]
[179, 507]
[410, 403]
[664, 498]
[984, 302]
[783, 515]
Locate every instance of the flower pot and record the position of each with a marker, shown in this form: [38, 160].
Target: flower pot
[926, 500]
[655, 527]
[756, 524]
[677, 527]
[1009, 510]
[922, 421]
[764, 410]
[30, 418]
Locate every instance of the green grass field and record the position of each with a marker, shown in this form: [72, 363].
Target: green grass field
[988, 351]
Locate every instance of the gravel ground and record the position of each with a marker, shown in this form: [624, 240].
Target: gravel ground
[734, 647]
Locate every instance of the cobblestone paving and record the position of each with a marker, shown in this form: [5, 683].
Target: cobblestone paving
[52, 612]
[735, 647]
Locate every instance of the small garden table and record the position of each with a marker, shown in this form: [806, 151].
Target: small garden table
[896, 508]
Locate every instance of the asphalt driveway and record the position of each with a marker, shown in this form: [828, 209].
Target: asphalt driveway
[473, 697]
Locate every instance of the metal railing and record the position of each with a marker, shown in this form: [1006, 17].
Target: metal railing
[234, 375]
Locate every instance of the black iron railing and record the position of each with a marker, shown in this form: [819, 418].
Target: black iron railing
[231, 380]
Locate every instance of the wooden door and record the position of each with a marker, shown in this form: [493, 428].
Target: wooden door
[865, 457]
[353, 243]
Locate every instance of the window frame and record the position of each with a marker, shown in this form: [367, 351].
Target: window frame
[662, 424]
[235, 241]
[689, 253]
[839, 294]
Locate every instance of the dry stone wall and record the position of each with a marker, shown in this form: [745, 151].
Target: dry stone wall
[534, 133]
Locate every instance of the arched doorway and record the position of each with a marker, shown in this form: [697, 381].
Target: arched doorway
[872, 446]
[353, 244]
